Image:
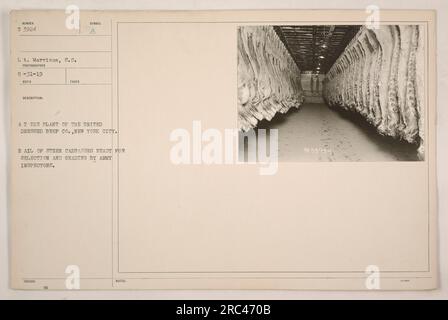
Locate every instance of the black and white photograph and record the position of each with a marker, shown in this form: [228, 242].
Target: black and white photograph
[333, 92]
[277, 151]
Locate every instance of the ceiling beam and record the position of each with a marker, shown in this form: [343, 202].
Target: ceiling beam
[305, 44]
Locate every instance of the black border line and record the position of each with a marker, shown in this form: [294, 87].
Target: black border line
[426, 22]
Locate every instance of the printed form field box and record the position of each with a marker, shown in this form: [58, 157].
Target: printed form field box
[89, 76]
[64, 43]
[41, 76]
[65, 59]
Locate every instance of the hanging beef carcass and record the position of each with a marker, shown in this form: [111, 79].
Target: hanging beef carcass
[420, 88]
[380, 76]
[268, 78]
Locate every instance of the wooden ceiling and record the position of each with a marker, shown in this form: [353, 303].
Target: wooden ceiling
[316, 48]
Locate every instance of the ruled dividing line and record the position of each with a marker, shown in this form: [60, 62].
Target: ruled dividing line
[38, 67]
[49, 51]
[234, 277]
[65, 84]
[65, 35]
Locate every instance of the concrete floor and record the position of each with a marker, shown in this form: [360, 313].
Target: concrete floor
[318, 133]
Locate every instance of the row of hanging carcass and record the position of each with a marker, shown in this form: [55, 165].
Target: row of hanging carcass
[379, 75]
[268, 77]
